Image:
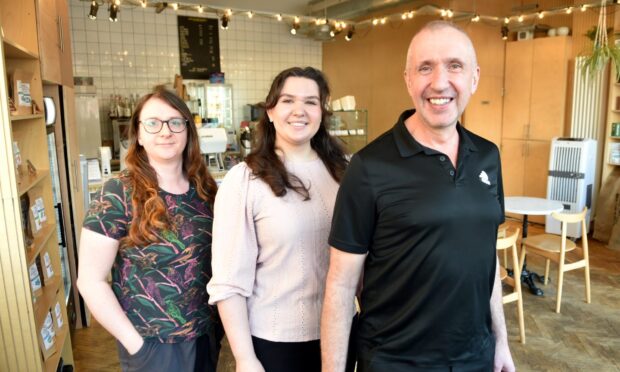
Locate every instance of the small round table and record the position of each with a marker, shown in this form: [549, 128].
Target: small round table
[530, 206]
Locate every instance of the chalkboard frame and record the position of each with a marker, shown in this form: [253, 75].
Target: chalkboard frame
[199, 46]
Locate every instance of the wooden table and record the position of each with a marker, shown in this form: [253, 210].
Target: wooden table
[530, 206]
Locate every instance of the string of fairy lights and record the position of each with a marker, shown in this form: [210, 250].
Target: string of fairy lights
[335, 26]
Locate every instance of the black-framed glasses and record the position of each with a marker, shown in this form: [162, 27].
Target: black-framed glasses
[154, 125]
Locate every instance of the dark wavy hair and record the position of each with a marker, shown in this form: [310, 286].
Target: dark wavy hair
[149, 210]
[267, 165]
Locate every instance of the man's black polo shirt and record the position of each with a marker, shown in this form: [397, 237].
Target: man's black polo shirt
[430, 232]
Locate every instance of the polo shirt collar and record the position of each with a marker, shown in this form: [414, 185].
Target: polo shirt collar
[408, 146]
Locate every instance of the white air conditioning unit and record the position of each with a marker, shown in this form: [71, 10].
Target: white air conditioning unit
[572, 164]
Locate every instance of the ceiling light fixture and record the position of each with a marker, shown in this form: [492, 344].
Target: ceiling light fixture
[200, 10]
[250, 14]
[520, 19]
[160, 7]
[476, 18]
[279, 17]
[295, 26]
[225, 20]
[541, 15]
[94, 7]
[113, 12]
[350, 33]
[143, 3]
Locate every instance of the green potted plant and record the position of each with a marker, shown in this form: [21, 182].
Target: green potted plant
[602, 51]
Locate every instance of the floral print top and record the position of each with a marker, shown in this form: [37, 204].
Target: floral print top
[162, 286]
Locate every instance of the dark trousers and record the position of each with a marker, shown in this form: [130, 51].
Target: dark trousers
[199, 355]
[298, 356]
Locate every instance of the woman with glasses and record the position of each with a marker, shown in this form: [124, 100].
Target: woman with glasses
[272, 218]
[151, 226]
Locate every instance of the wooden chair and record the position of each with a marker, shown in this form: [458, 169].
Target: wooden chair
[554, 248]
[509, 243]
[501, 233]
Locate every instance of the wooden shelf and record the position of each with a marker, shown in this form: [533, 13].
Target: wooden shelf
[39, 242]
[26, 117]
[14, 50]
[28, 181]
[614, 137]
[51, 363]
[46, 300]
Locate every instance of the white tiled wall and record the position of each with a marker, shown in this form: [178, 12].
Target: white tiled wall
[141, 50]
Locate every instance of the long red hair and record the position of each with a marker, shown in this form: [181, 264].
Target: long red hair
[149, 210]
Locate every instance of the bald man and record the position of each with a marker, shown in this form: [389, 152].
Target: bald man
[418, 211]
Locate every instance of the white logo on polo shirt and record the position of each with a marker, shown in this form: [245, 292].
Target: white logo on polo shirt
[484, 178]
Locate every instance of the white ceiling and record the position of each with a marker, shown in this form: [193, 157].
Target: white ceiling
[272, 6]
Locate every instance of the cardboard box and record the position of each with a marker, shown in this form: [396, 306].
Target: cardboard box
[21, 82]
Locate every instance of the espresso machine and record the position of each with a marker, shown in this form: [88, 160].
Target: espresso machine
[213, 145]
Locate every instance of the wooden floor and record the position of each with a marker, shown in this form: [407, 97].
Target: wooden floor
[584, 337]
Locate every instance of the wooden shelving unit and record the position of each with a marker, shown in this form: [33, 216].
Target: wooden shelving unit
[22, 313]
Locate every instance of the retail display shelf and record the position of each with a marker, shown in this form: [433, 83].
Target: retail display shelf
[40, 240]
[45, 300]
[28, 181]
[26, 117]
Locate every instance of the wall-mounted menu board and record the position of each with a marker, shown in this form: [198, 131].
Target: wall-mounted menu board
[199, 47]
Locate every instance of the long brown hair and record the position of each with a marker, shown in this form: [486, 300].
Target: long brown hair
[149, 210]
[264, 161]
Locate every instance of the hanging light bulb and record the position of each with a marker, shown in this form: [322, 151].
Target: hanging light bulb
[375, 22]
[541, 15]
[113, 12]
[476, 18]
[404, 16]
[143, 3]
[200, 10]
[506, 20]
[94, 7]
[383, 20]
[225, 19]
[295, 26]
[250, 14]
[279, 17]
[520, 19]
[504, 33]
[175, 6]
[350, 33]
[569, 10]
[450, 13]
[410, 14]
[584, 7]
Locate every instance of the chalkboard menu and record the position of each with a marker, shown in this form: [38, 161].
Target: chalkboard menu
[199, 47]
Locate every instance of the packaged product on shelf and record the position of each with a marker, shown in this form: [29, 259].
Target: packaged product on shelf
[20, 85]
[38, 214]
[35, 280]
[49, 271]
[24, 203]
[47, 339]
[58, 316]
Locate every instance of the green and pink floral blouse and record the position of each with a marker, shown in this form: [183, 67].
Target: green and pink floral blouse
[162, 286]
